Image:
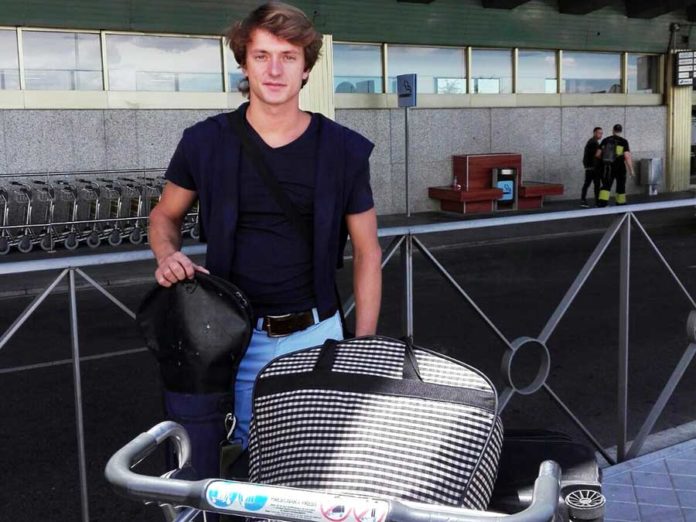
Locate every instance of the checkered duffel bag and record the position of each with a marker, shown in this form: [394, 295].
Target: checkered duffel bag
[376, 416]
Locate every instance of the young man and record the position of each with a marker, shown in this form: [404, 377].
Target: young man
[321, 166]
[615, 156]
[591, 164]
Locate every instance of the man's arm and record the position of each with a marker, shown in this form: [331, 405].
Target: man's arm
[165, 235]
[628, 160]
[367, 270]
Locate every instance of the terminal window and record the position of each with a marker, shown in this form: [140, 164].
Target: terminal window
[536, 72]
[62, 61]
[440, 70]
[491, 71]
[357, 68]
[587, 73]
[163, 63]
[9, 60]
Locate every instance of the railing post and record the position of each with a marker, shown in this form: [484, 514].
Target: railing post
[624, 290]
[407, 265]
[77, 382]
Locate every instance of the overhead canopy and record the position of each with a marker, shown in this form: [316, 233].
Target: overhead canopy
[634, 8]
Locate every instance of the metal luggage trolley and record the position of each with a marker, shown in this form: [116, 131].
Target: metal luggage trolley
[43, 209]
[23, 236]
[112, 228]
[183, 500]
[5, 236]
[90, 193]
[140, 206]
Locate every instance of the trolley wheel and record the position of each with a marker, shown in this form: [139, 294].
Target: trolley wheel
[71, 241]
[585, 504]
[136, 236]
[93, 239]
[115, 238]
[25, 245]
[47, 243]
[4, 246]
[195, 231]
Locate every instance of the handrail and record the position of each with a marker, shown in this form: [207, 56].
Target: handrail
[205, 494]
[404, 238]
[40, 265]
[15, 267]
[537, 217]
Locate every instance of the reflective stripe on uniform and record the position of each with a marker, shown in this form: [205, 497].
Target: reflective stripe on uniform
[604, 195]
[620, 199]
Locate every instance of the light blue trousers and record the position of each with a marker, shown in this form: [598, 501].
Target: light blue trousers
[261, 351]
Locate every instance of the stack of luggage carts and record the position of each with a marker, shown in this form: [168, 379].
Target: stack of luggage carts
[88, 208]
[376, 429]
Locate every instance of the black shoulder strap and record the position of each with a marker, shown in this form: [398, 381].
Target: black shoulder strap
[236, 119]
[271, 182]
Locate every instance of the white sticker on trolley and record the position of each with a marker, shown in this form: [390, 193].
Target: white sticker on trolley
[292, 504]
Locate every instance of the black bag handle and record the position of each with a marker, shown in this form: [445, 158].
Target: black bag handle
[327, 358]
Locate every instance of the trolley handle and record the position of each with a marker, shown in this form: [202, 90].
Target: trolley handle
[209, 494]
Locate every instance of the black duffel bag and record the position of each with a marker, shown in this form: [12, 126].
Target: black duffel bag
[198, 330]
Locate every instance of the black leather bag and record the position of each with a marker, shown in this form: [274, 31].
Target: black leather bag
[198, 330]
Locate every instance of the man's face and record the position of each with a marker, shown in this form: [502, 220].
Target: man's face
[598, 134]
[275, 69]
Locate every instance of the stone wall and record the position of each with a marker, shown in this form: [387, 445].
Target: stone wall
[551, 141]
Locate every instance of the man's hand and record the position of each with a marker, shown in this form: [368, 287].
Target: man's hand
[176, 267]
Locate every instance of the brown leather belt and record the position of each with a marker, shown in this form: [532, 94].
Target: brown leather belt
[286, 324]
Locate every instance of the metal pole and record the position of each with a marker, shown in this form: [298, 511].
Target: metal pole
[82, 458]
[407, 264]
[30, 310]
[624, 288]
[408, 204]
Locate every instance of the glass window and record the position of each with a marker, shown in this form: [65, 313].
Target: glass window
[9, 60]
[357, 68]
[62, 61]
[643, 72]
[440, 70]
[591, 72]
[163, 63]
[536, 71]
[491, 71]
[234, 73]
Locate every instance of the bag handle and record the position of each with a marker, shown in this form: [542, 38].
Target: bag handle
[327, 358]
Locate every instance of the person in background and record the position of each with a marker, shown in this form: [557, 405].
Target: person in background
[592, 166]
[615, 156]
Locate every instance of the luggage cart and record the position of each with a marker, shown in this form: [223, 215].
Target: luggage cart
[24, 236]
[43, 210]
[138, 224]
[5, 236]
[192, 225]
[90, 191]
[112, 229]
[183, 499]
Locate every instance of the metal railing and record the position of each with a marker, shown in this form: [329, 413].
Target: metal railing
[405, 238]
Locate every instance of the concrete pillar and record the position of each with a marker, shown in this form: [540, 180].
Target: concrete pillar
[318, 94]
[678, 131]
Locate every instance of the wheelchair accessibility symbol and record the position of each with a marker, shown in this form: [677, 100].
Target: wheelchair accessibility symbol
[335, 513]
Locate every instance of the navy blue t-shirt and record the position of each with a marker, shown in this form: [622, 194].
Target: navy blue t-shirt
[273, 262]
[202, 163]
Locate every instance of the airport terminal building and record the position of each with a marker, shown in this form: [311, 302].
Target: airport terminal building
[93, 86]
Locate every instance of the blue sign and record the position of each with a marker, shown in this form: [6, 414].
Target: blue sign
[508, 188]
[406, 90]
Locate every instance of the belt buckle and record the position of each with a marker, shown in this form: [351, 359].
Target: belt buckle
[270, 320]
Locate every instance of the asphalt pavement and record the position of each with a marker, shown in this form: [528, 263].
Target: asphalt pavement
[516, 275]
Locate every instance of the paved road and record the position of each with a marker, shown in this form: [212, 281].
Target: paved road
[517, 276]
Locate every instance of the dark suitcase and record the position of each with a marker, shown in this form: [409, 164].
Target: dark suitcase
[524, 450]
